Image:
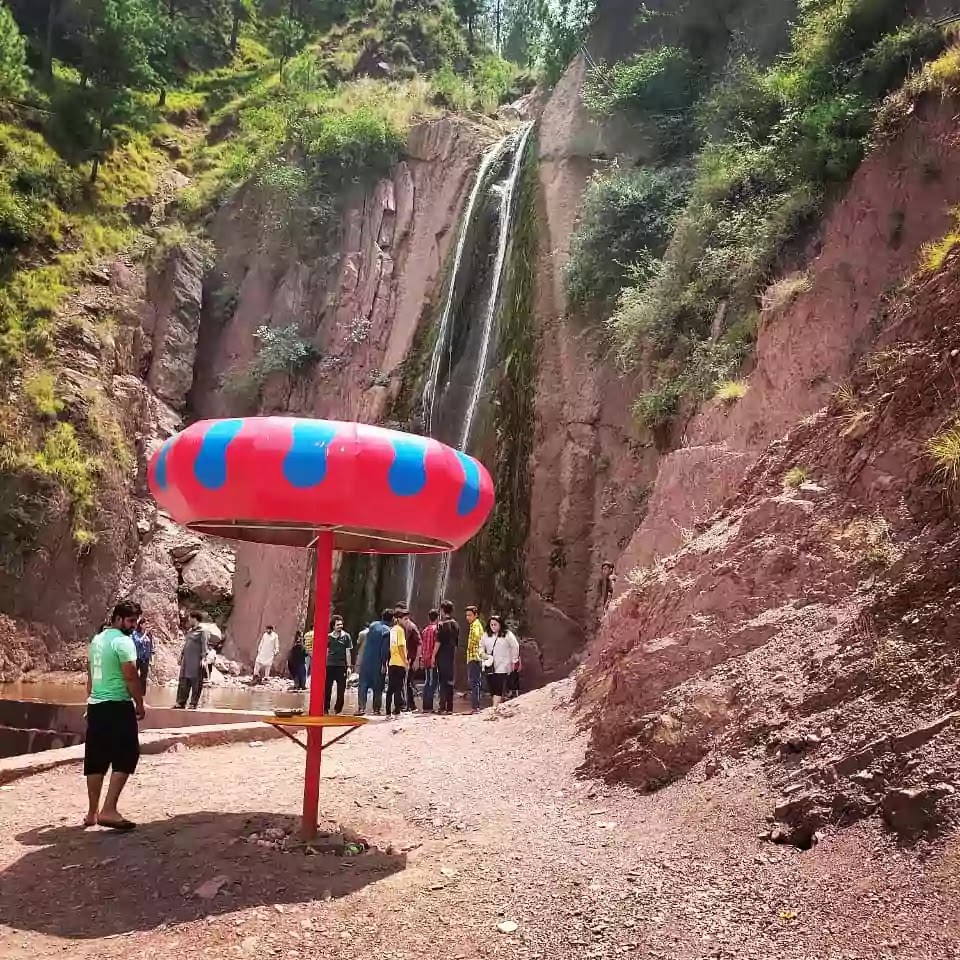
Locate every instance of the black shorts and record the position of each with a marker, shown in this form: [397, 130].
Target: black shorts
[495, 683]
[113, 739]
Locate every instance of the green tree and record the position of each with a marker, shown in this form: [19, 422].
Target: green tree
[565, 29]
[13, 57]
[522, 30]
[285, 36]
[471, 14]
[120, 43]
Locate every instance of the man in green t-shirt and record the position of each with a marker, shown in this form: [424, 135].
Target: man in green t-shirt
[114, 705]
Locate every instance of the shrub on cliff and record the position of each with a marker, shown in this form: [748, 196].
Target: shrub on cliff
[776, 142]
[627, 214]
[13, 57]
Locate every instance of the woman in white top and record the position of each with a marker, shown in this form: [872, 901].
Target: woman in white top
[501, 654]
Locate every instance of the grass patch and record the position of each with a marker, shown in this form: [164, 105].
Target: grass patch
[62, 460]
[39, 390]
[781, 293]
[627, 216]
[944, 450]
[934, 255]
[795, 477]
[730, 391]
[870, 539]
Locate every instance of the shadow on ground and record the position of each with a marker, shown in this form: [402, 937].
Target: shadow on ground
[96, 883]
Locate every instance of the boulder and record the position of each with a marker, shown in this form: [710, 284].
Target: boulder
[207, 577]
[913, 809]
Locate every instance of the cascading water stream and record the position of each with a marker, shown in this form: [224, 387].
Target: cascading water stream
[436, 359]
[445, 335]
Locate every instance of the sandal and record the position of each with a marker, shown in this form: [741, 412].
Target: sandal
[123, 825]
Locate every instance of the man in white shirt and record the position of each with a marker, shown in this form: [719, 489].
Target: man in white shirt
[266, 652]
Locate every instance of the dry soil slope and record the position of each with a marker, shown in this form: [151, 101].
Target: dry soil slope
[813, 626]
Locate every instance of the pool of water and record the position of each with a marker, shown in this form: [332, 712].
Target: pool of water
[222, 698]
[213, 698]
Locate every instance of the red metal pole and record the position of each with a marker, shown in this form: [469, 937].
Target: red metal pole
[318, 679]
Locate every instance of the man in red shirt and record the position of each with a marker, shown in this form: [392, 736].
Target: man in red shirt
[428, 646]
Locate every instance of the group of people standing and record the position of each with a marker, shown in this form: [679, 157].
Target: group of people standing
[392, 652]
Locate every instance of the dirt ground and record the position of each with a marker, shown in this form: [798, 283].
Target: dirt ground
[476, 821]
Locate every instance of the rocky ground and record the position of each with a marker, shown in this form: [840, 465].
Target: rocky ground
[485, 842]
[810, 625]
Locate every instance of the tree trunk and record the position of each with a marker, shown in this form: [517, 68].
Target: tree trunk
[235, 27]
[48, 47]
[162, 99]
[498, 28]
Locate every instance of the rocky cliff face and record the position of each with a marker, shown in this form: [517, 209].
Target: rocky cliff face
[149, 345]
[806, 623]
[359, 306]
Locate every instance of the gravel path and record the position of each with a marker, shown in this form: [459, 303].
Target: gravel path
[475, 823]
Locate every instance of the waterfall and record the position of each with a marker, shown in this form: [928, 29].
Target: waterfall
[430, 388]
[460, 431]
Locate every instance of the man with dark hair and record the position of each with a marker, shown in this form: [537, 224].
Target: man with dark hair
[114, 705]
[192, 659]
[605, 585]
[373, 663]
[267, 652]
[412, 633]
[144, 644]
[397, 667]
[474, 656]
[448, 637]
[339, 646]
[428, 646]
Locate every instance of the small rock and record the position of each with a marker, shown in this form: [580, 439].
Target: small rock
[178, 747]
[448, 871]
[97, 275]
[810, 491]
[209, 889]
[255, 743]
[507, 926]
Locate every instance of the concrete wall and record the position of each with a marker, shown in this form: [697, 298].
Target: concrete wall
[28, 726]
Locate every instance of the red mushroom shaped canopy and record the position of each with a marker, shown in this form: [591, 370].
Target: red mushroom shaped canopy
[281, 480]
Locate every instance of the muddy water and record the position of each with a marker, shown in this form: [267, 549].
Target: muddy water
[225, 698]
[213, 698]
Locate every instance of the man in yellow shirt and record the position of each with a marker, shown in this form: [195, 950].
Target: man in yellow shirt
[396, 668]
[308, 646]
[474, 656]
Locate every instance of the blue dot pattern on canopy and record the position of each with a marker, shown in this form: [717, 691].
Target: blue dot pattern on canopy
[470, 492]
[162, 463]
[306, 463]
[408, 473]
[210, 467]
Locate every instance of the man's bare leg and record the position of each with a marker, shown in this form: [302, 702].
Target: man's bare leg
[94, 786]
[109, 813]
